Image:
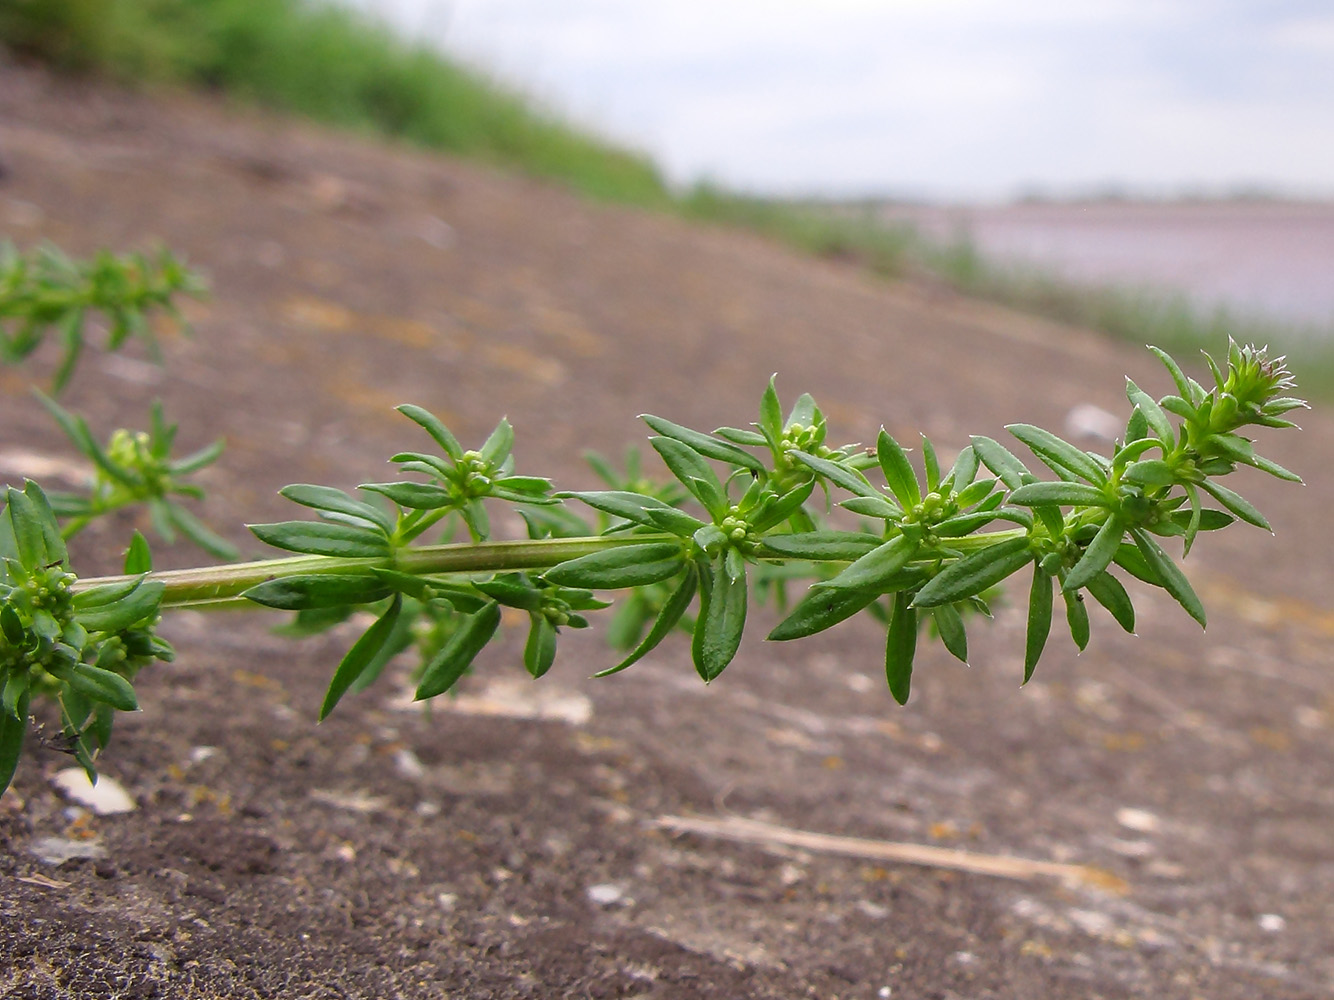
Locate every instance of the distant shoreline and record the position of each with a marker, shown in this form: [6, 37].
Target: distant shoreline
[1265, 256]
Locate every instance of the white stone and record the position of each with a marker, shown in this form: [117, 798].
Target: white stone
[409, 765]
[1272, 922]
[1139, 820]
[605, 894]
[58, 850]
[106, 798]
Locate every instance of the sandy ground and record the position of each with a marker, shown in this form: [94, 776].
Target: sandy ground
[572, 838]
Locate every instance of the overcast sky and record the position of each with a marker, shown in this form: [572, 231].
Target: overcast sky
[974, 99]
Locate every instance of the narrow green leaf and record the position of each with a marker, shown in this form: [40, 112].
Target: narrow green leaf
[52, 539]
[1236, 503]
[304, 592]
[623, 566]
[29, 539]
[1151, 472]
[71, 336]
[881, 507]
[539, 651]
[771, 412]
[931, 464]
[1178, 407]
[99, 685]
[949, 623]
[777, 509]
[1060, 456]
[12, 729]
[459, 651]
[1210, 519]
[620, 503]
[901, 647]
[359, 657]
[736, 435]
[846, 545]
[671, 613]
[1097, 555]
[513, 590]
[330, 499]
[139, 604]
[1040, 599]
[691, 469]
[1077, 618]
[1000, 460]
[497, 447]
[435, 427]
[322, 538]
[1060, 494]
[839, 475]
[12, 626]
[898, 471]
[974, 574]
[1128, 557]
[414, 496]
[1107, 591]
[721, 620]
[1182, 383]
[1153, 413]
[821, 608]
[197, 460]
[138, 557]
[964, 470]
[1173, 580]
[705, 444]
[678, 522]
[976, 492]
[964, 524]
[882, 563]
[804, 412]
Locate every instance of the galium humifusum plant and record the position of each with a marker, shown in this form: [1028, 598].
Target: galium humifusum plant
[744, 509]
[45, 291]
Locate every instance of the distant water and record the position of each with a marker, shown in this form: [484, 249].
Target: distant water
[1272, 259]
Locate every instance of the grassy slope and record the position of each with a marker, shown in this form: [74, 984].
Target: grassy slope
[315, 59]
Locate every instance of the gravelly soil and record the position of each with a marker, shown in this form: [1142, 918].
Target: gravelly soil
[510, 845]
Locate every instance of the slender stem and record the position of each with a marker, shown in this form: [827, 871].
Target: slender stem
[211, 587]
[204, 585]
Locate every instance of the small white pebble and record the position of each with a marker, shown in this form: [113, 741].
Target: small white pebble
[107, 798]
[860, 683]
[58, 850]
[873, 910]
[426, 808]
[1139, 820]
[965, 957]
[200, 754]
[885, 993]
[605, 894]
[1091, 922]
[346, 852]
[409, 765]
[1272, 922]
[1309, 717]
[447, 900]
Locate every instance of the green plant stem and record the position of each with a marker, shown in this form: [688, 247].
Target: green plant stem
[219, 587]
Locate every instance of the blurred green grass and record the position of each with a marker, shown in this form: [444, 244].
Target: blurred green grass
[342, 67]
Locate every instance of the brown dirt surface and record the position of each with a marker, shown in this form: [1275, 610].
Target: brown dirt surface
[511, 844]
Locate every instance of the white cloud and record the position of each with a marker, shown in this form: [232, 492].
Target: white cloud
[962, 97]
